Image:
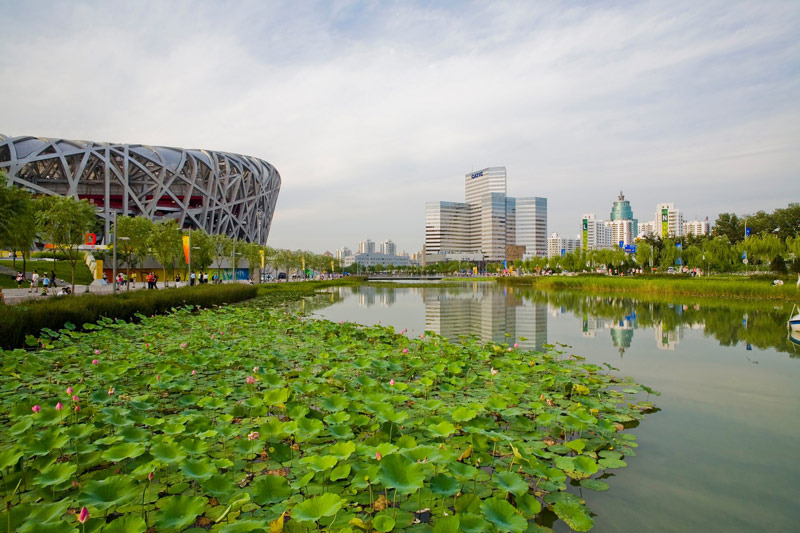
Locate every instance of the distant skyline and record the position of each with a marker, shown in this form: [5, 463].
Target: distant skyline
[370, 109]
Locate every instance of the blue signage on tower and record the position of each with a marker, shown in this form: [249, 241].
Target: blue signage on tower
[477, 174]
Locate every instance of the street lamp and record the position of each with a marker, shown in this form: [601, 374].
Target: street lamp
[114, 275]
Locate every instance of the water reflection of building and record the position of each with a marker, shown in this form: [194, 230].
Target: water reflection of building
[666, 339]
[486, 313]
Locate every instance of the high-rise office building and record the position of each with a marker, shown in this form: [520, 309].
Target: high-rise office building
[669, 221]
[366, 247]
[696, 227]
[557, 245]
[624, 228]
[388, 248]
[487, 222]
[595, 233]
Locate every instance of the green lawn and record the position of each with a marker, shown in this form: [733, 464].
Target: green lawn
[63, 271]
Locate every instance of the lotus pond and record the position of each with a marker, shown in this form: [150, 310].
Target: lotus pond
[244, 418]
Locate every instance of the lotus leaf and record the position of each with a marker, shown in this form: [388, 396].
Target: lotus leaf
[511, 482]
[110, 492]
[503, 515]
[444, 485]
[319, 463]
[271, 489]
[574, 514]
[55, 474]
[447, 524]
[177, 512]
[399, 473]
[313, 509]
[472, 523]
[198, 469]
[168, 452]
[245, 526]
[124, 451]
[383, 523]
[126, 524]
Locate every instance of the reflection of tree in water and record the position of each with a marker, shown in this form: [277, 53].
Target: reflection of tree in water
[730, 322]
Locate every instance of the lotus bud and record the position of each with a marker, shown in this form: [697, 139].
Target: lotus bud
[36, 408]
[378, 456]
[59, 406]
[83, 516]
[69, 390]
[97, 352]
[111, 391]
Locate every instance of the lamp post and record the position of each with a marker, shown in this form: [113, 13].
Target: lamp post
[114, 275]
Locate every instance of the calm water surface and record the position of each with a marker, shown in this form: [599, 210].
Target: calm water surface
[722, 454]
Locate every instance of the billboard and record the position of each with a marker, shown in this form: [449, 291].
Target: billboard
[585, 239]
[664, 223]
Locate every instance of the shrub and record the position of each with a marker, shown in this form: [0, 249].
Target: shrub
[30, 318]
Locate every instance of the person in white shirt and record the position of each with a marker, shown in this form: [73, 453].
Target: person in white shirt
[34, 282]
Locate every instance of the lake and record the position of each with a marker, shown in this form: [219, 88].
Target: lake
[721, 454]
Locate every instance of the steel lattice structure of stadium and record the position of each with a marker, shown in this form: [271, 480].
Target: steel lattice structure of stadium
[216, 191]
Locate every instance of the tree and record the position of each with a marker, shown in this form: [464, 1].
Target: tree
[133, 239]
[730, 226]
[18, 224]
[644, 254]
[202, 249]
[63, 221]
[252, 252]
[165, 241]
[222, 246]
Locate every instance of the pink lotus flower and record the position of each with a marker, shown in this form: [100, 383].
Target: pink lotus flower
[75, 484]
[36, 408]
[213, 336]
[516, 345]
[75, 398]
[541, 397]
[252, 436]
[183, 345]
[95, 361]
[510, 349]
[150, 476]
[147, 345]
[83, 516]
[97, 352]
[158, 377]
[194, 372]
[255, 370]
[111, 391]
[341, 322]
[250, 380]
[59, 406]
[494, 371]
[405, 351]
[77, 408]
[378, 456]
[69, 390]
[391, 382]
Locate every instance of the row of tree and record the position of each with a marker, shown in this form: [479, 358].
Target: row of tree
[64, 222]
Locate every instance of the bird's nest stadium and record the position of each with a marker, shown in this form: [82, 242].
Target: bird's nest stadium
[219, 192]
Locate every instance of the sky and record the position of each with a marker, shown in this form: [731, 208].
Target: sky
[369, 109]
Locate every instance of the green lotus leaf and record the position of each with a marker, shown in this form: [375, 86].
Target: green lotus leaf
[44, 513]
[585, 464]
[124, 451]
[341, 432]
[198, 469]
[195, 446]
[45, 442]
[168, 452]
[442, 429]
[342, 450]
[55, 474]
[472, 523]
[444, 485]
[334, 403]
[463, 414]
[308, 428]
[9, 457]
[337, 418]
[432, 405]
[503, 515]
[383, 523]
[47, 527]
[299, 483]
[211, 402]
[245, 526]
[511, 482]
[173, 429]
[340, 472]
[528, 504]
[594, 484]
[319, 463]
[116, 416]
[271, 489]
[313, 509]
[609, 462]
[129, 523]
[577, 445]
[219, 486]
[574, 514]
[178, 512]
[398, 473]
[110, 492]
[21, 427]
[273, 429]
[463, 470]
[131, 434]
[447, 524]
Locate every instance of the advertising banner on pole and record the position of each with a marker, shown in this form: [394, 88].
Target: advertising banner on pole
[585, 234]
[186, 249]
[664, 223]
[261, 253]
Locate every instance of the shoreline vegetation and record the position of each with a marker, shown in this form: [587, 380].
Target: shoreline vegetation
[253, 417]
[722, 286]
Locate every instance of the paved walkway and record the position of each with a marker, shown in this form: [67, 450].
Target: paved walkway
[15, 296]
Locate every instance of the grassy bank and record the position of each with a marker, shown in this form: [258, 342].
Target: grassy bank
[723, 287]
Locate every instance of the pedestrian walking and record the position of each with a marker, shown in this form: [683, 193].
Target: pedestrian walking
[133, 279]
[53, 279]
[192, 279]
[45, 285]
[19, 279]
[34, 282]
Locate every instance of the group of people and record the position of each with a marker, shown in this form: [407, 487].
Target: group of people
[48, 281]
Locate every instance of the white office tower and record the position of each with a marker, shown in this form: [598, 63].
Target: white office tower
[485, 192]
[696, 227]
[646, 229]
[668, 221]
[558, 245]
[341, 253]
[366, 247]
[595, 233]
[479, 184]
[531, 225]
[448, 228]
[624, 231]
[388, 248]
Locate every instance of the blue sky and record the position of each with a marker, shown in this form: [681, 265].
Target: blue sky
[369, 109]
